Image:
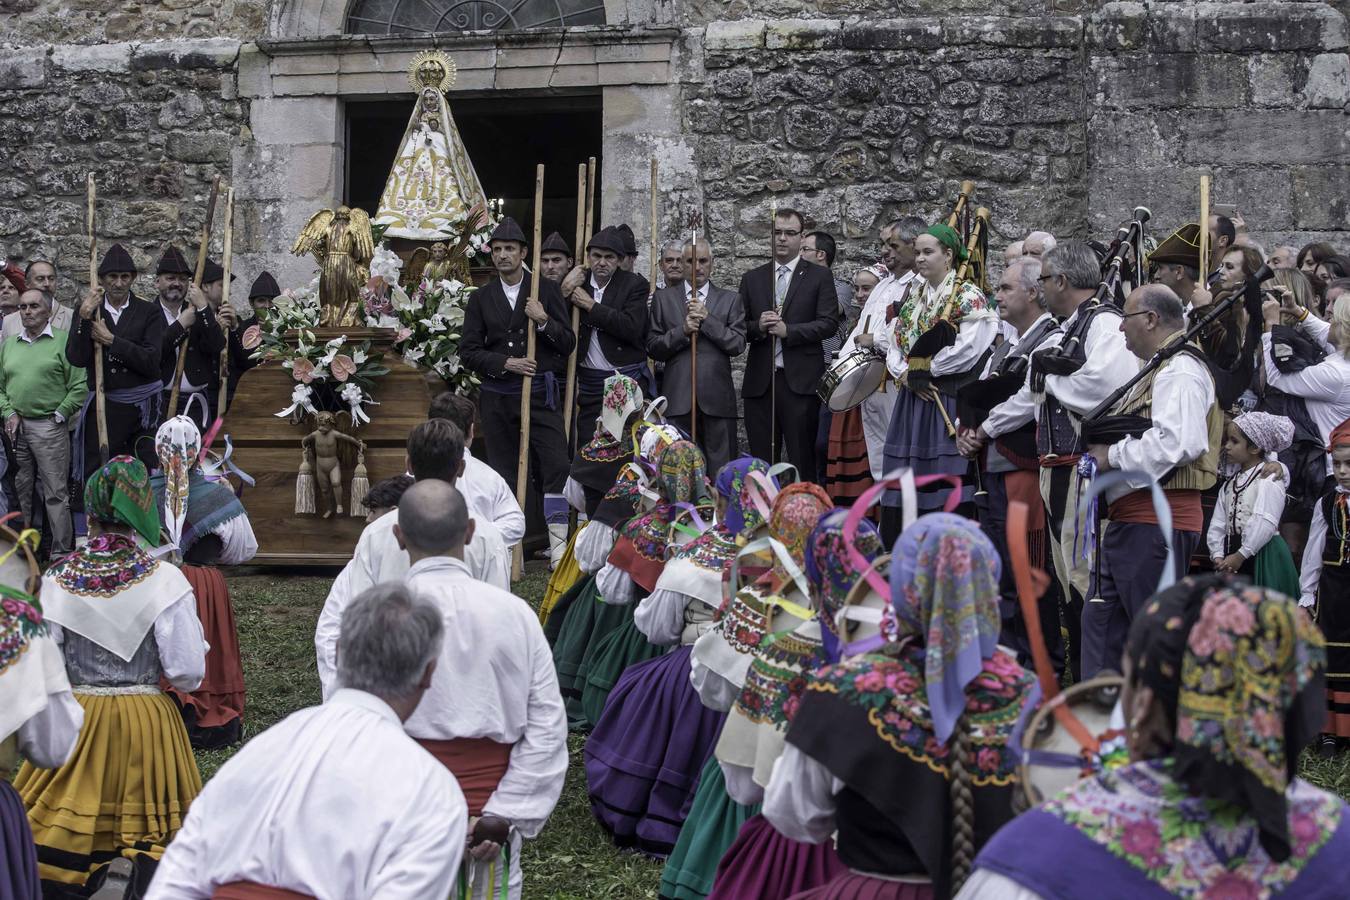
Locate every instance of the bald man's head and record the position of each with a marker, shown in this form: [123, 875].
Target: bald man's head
[433, 520]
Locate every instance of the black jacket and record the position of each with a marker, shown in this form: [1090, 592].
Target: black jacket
[721, 337]
[205, 341]
[494, 332]
[619, 320]
[133, 359]
[240, 361]
[810, 312]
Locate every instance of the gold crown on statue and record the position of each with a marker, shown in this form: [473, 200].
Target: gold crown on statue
[432, 68]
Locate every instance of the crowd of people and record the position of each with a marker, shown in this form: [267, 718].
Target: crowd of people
[803, 671]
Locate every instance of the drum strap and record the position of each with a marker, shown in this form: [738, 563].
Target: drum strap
[908, 485]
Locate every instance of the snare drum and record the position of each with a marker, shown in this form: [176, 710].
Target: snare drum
[1052, 757]
[852, 380]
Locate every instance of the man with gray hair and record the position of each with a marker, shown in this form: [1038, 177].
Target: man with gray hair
[1175, 445]
[1038, 243]
[1010, 470]
[493, 715]
[41, 276]
[335, 800]
[40, 392]
[897, 255]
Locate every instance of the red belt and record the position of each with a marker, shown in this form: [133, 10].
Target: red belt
[1137, 507]
[478, 764]
[249, 890]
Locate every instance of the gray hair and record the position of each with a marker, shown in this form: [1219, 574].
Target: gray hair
[433, 516]
[46, 298]
[1047, 239]
[389, 637]
[1076, 261]
[1162, 300]
[907, 228]
[677, 246]
[1027, 270]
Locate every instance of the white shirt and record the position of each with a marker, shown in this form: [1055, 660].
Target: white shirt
[378, 558]
[334, 801]
[1258, 512]
[1109, 365]
[495, 679]
[799, 800]
[45, 332]
[1183, 392]
[169, 319]
[595, 357]
[238, 543]
[1020, 408]
[986, 884]
[491, 499]
[1310, 574]
[890, 289]
[512, 291]
[593, 547]
[114, 312]
[1325, 387]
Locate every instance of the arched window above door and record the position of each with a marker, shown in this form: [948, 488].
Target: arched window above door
[439, 16]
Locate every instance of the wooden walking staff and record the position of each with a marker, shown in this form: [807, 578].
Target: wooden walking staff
[221, 401]
[583, 216]
[693, 338]
[527, 381]
[773, 338]
[651, 269]
[197, 283]
[100, 402]
[1205, 267]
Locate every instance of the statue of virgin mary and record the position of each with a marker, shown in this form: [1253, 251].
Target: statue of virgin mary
[432, 184]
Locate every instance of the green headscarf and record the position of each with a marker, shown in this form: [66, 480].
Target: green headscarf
[948, 238]
[120, 492]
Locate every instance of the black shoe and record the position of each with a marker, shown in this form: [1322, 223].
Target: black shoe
[116, 882]
[1328, 748]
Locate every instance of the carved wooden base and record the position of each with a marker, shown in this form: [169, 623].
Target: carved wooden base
[268, 449]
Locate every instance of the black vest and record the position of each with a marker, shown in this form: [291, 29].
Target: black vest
[1056, 434]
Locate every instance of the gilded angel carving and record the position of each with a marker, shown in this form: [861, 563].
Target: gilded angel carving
[342, 243]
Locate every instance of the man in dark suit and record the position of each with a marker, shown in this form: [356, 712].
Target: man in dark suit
[718, 318]
[494, 345]
[188, 317]
[613, 335]
[791, 308]
[131, 332]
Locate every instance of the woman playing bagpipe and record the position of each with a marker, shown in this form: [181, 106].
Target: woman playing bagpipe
[940, 339]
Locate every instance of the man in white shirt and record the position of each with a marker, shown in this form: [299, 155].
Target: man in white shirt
[489, 497]
[493, 715]
[1179, 451]
[435, 451]
[897, 255]
[335, 800]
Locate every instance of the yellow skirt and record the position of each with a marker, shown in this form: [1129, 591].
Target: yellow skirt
[126, 787]
[560, 582]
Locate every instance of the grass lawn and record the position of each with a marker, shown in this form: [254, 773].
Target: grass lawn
[276, 612]
[572, 859]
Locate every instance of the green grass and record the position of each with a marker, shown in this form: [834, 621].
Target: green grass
[276, 612]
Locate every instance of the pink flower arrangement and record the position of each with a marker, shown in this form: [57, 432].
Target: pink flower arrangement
[302, 370]
[342, 367]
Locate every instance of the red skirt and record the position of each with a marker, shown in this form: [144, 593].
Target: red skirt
[220, 698]
[852, 886]
[847, 472]
[248, 890]
[478, 764]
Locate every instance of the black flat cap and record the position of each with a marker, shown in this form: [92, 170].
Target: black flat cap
[508, 230]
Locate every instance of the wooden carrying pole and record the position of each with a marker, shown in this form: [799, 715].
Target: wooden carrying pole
[100, 402]
[583, 216]
[773, 338]
[202, 249]
[225, 253]
[651, 268]
[527, 382]
[1204, 232]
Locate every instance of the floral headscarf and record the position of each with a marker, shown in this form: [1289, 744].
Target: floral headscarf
[795, 513]
[178, 442]
[829, 571]
[1271, 433]
[1243, 673]
[944, 588]
[621, 399]
[683, 474]
[120, 492]
[741, 515]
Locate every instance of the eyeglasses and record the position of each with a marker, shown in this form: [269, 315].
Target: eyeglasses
[786, 232]
[1142, 312]
[1044, 278]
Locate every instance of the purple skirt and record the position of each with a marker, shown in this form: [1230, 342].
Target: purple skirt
[18, 855]
[644, 756]
[917, 439]
[852, 886]
[764, 865]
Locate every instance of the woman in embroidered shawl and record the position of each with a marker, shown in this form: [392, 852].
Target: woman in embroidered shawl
[638, 557]
[580, 621]
[918, 438]
[904, 752]
[644, 757]
[207, 523]
[1223, 689]
[124, 621]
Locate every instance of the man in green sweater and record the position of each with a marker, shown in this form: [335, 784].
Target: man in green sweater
[40, 391]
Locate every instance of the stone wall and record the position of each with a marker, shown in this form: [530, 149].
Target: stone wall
[153, 121]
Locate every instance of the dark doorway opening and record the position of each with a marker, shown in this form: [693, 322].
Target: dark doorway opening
[506, 136]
